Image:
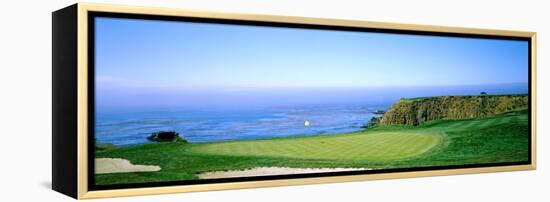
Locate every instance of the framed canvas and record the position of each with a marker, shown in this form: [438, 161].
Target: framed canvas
[154, 100]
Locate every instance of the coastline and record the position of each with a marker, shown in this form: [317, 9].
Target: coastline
[483, 140]
[196, 127]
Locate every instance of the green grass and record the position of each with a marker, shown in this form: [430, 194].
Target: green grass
[502, 138]
[358, 146]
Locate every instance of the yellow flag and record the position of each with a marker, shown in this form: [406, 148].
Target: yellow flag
[306, 123]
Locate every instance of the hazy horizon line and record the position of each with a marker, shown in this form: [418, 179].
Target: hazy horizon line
[126, 83]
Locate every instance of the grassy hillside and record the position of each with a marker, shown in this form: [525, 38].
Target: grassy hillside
[501, 138]
[416, 111]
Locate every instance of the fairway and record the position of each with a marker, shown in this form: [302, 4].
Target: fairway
[358, 146]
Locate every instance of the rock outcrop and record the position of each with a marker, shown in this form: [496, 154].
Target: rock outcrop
[166, 136]
[416, 111]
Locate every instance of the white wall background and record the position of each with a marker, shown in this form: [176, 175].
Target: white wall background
[25, 104]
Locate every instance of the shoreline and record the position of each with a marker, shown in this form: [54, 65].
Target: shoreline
[211, 127]
[238, 140]
[375, 148]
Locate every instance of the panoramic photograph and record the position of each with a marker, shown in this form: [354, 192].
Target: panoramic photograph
[182, 101]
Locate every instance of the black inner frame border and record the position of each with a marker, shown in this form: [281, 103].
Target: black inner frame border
[91, 96]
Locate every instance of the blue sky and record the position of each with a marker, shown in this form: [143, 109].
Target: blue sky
[137, 56]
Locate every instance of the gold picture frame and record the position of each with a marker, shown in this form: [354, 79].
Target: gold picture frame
[78, 165]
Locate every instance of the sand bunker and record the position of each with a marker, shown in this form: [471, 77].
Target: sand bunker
[116, 165]
[264, 171]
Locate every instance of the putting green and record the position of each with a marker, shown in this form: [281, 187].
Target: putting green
[356, 146]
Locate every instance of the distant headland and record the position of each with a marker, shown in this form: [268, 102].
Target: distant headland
[415, 111]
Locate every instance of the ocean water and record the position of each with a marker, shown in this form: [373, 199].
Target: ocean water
[132, 127]
[127, 117]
